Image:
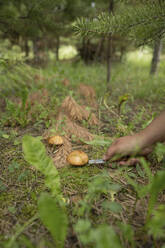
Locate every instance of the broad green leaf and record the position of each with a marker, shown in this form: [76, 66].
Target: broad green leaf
[160, 151]
[54, 218]
[25, 241]
[140, 171]
[158, 184]
[115, 207]
[12, 209]
[127, 233]
[35, 154]
[98, 142]
[156, 226]
[17, 142]
[83, 228]
[105, 237]
[146, 168]
[5, 136]
[101, 237]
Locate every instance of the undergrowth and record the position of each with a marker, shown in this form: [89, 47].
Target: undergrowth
[90, 206]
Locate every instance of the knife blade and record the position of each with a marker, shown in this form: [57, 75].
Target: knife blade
[96, 161]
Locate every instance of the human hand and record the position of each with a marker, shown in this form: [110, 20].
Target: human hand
[124, 146]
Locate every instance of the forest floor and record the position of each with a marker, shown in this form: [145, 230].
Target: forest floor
[32, 102]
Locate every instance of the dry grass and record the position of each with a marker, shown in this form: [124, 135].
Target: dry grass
[37, 97]
[69, 128]
[60, 155]
[87, 91]
[70, 112]
[76, 112]
[38, 77]
[88, 94]
[66, 82]
[40, 96]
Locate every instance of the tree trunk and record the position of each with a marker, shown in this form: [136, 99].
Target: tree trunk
[35, 51]
[87, 51]
[99, 49]
[109, 44]
[57, 48]
[109, 47]
[156, 56]
[26, 48]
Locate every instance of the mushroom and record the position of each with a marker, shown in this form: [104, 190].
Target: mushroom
[55, 140]
[77, 158]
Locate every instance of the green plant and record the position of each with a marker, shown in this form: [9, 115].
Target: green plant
[154, 187]
[98, 186]
[107, 206]
[54, 218]
[13, 166]
[127, 232]
[156, 225]
[102, 236]
[35, 154]
[51, 207]
[18, 113]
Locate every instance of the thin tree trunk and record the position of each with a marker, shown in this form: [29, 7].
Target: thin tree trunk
[99, 49]
[156, 56]
[35, 51]
[87, 51]
[83, 48]
[57, 48]
[109, 43]
[109, 47]
[84, 53]
[26, 48]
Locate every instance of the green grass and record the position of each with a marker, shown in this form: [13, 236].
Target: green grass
[21, 184]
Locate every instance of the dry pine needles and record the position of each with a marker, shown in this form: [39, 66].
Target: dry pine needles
[77, 112]
[68, 123]
[89, 94]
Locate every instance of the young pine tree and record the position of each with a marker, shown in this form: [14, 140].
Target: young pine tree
[141, 21]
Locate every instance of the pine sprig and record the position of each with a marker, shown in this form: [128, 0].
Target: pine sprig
[142, 24]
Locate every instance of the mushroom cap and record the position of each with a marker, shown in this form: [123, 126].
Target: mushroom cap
[55, 140]
[77, 158]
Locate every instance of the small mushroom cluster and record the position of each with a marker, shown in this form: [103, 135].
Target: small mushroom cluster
[77, 158]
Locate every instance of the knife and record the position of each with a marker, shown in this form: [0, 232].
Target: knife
[96, 161]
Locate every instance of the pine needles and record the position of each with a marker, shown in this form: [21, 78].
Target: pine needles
[143, 22]
[71, 128]
[89, 94]
[76, 112]
[69, 123]
[60, 156]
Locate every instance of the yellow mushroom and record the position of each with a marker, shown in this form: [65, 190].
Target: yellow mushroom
[55, 140]
[77, 158]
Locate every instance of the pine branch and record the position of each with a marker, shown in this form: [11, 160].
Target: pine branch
[143, 24]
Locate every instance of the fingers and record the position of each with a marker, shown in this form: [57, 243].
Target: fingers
[146, 151]
[110, 153]
[129, 162]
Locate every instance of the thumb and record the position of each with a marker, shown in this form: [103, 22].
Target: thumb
[109, 154]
